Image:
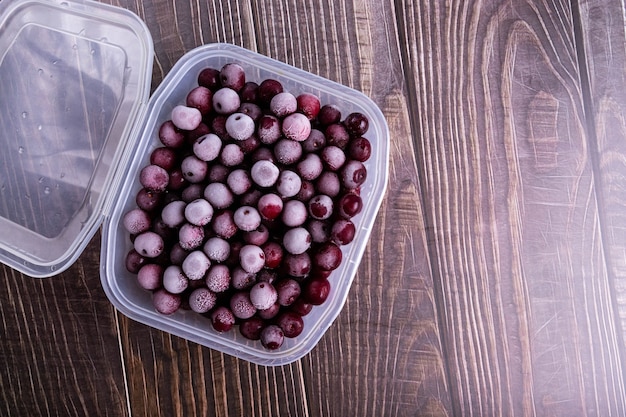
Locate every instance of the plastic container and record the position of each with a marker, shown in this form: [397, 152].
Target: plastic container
[122, 132]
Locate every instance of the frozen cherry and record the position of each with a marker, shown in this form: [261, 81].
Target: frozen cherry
[316, 291]
[327, 257]
[239, 181]
[268, 89]
[177, 254]
[239, 126]
[283, 104]
[360, 149]
[217, 249]
[202, 300]
[273, 254]
[200, 98]
[353, 174]
[297, 240]
[195, 265]
[329, 114]
[296, 126]
[186, 118]
[272, 337]
[170, 135]
[297, 265]
[154, 178]
[263, 295]
[310, 167]
[269, 129]
[218, 126]
[333, 157]
[173, 214]
[150, 276]
[192, 192]
[241, 306]
[233, 76]
[199, 212]
[223, 224]
[291, 323]
[288, 291]
[251, 328]
[218, 195]
[247, 218]
[218, 173]
[314, 142]
[288, 184]
[356, 124]
[309, 105]
[342, 232]
[319, 230]
[218, 278]
[190, 236]
[194, 169]
[222, 319]
[350, 205]
[209, 78]
[231, 155]
[207, 147]
[336, 134]
[241, 279]
[287, 151]
[177, 180]
[174, 279]
[328, 183]
[301, 307]
[294, 213]
[226, 101]
[248, 92]
[321, 207]
[164, 157]
[148, 200]
[252, 258]
[264, 173]
[149, 244]
[136, 221]
[134, 261]
[270, 206]
[165, 302]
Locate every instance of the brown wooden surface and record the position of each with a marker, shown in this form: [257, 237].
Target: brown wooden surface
[494, 283]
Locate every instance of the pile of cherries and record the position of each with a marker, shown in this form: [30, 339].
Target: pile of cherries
[245, 204]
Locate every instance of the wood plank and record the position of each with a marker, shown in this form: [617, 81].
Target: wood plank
[512, 208]
[384, 351]
[603, 38]
[59, 347]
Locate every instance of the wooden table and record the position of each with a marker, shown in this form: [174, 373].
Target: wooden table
[494, 283]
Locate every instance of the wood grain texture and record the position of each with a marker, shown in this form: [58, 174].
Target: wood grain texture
[602, 23]
[59, 345]
[512, 205]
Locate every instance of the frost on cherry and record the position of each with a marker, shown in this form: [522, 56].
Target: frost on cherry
[245, 203]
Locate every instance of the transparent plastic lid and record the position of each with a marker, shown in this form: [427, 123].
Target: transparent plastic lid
[74, 80]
